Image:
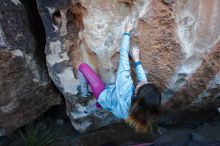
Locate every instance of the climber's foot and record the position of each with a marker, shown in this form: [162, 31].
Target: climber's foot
[91, 108]
[90, 94]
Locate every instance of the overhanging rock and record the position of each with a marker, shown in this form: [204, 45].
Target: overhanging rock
[179, 43]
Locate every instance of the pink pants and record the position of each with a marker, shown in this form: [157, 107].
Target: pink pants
[94, 81]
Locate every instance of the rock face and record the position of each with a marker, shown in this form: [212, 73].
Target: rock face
[26, 90]
[179, 41]
[195, 82]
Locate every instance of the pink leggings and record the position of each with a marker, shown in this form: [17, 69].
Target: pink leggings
[94, 81]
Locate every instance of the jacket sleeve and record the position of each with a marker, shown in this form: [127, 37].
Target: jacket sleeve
[141, 76]
[124, 81]
[124, 65]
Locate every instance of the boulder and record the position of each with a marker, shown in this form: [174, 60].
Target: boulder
[179, 43]
[26, 89]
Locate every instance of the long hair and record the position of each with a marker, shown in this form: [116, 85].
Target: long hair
[144, 108]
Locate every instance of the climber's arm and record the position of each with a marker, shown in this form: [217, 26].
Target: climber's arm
[138, 66]
[124, 65]
[141, 76]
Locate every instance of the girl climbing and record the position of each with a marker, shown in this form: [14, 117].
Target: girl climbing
[138, 106]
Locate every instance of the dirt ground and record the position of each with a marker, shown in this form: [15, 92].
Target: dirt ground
[120, 134]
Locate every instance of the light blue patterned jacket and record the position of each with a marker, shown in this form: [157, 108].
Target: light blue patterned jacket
[117, 98]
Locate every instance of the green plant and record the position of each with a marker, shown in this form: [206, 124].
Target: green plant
[33, 136]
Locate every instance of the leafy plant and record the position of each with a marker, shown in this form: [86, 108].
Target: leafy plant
[33, 136]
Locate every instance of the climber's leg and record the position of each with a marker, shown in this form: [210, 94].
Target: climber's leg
[94, 81]
[84, 87]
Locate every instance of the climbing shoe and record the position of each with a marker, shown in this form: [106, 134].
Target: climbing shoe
[91, 108]
[82, 95]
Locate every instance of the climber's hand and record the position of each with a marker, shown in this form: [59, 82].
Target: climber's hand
[135, 54]
[128, 26]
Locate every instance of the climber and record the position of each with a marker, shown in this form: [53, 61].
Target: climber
[138, 106]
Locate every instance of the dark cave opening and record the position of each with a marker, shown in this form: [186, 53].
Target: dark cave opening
[57, 18]
[37, 29]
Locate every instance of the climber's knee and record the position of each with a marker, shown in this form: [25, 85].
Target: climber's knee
[83, 67]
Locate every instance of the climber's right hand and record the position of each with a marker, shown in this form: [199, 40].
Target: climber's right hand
[134, 52]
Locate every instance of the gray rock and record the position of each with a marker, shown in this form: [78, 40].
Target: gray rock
[2, 132]
[26, 90]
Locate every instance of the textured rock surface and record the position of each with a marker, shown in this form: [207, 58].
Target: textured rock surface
[179, 43]
[26, 90]
[196, 79]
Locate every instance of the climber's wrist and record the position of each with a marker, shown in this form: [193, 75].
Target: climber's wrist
[127, 33]
[136, 59]
[137, 63]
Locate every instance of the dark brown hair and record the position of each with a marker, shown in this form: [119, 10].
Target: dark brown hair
[144, 108]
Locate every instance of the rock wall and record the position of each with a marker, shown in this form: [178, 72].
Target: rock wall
[198, 72]
[26, 89]
[179, 42]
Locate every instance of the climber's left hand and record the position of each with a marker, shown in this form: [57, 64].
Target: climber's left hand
[128, 26]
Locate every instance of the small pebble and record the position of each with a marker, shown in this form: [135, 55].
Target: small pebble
[59, 122]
